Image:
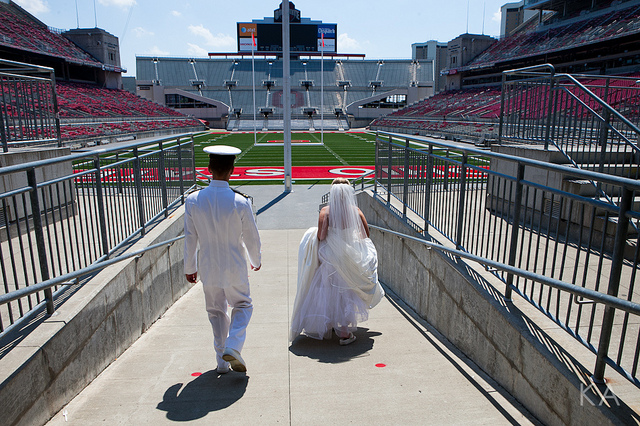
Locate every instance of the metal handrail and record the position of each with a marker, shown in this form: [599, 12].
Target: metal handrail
[529, 71]
[474, 207]
[83, 155]
[605, 299]
[76, 275]
[572, 171]
[91, 209]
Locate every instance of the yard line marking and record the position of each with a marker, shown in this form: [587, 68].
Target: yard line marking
[340, 159]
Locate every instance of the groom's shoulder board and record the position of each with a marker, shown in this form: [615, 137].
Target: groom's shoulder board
[248, 197]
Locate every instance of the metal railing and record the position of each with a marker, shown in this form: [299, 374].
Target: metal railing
[494, 206]
[590, 121]
[74, 278]
[65, 214]
[29, 109]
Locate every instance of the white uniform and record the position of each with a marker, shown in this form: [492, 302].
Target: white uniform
[219, 224]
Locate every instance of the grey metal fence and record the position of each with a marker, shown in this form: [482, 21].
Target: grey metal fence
[591, 119]
[65, 214]
[496, 207]
[29, 108]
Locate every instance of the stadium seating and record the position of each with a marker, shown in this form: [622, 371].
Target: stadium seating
[69, 132]
[84, 100]
[130, 113]
[230, 81]
[20, 31]
[533, 40]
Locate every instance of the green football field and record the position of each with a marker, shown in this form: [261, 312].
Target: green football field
[339, 149]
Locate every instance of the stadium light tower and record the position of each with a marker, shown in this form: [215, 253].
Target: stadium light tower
[286, 95]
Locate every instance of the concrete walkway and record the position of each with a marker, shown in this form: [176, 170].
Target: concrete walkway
[398, 371]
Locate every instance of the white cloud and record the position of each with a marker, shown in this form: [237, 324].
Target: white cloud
[34, 6]
[125, 4]
[195, 50]
[497, 17]
[141, 32]
[347, 43]
[176, 13]
[156, 51]
[217, 41]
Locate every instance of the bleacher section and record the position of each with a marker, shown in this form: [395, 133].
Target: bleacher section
[83, 100]
[90, 111]
[85, 110]
[229, 81]
[473, 114]
[534, 40]
[470, 113]
[99, 130]
[19, 30]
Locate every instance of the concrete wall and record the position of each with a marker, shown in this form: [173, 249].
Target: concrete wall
[472, 315]
[13, 181]
[90, 330]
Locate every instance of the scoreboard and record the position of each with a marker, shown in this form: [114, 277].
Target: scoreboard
[304, 37]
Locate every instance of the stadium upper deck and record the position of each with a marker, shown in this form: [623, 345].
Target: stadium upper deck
[88, 109]
[576, 37]
[582, 30]
[22, 31]
[350, 86]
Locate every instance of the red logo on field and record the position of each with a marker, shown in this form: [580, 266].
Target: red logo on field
[297, 172]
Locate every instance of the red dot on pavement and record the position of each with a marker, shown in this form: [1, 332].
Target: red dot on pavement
[196, 374]
[381, 365]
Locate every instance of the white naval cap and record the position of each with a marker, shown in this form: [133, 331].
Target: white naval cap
[222, 150]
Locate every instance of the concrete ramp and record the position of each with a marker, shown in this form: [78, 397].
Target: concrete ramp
[398, 371]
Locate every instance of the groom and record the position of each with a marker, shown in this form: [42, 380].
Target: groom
[219, 222]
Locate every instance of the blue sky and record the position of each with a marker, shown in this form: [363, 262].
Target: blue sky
[192, 28]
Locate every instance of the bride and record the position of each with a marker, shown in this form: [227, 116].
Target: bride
[337, 271]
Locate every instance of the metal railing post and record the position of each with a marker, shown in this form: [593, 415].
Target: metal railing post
[502, 112]
[376, 174]
[547, 136]
[162, 180]
[390, 172]
[461, 210]
[4, 123]
[405, 172]
[515, 228]
[39, 234]
[614, 284]
[427, 189]
[52, 76]
[602, 139]
[102, 219]
[180, 168]
[137, 177]
[193, 161]
[119, 176]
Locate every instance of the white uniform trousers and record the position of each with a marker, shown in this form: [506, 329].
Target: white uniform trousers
[228, 332]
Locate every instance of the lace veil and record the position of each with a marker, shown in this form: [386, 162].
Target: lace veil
[348, 249]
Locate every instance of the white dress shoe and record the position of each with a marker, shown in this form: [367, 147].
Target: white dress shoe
[233, 357]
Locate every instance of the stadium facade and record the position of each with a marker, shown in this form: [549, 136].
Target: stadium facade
[579, 37]
[219, 88]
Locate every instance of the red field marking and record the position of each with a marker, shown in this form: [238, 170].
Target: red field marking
[297, 172]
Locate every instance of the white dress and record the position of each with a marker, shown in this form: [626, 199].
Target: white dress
[335, 291]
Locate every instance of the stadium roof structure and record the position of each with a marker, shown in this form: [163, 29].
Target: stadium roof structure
[227, 55]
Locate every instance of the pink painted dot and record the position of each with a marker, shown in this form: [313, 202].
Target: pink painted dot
[381, 365]
[196, 374]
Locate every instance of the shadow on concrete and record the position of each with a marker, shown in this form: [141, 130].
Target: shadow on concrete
[330, 351]
[272, 203]
[208, 392]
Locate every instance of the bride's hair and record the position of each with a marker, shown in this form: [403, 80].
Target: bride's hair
[337, 181]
